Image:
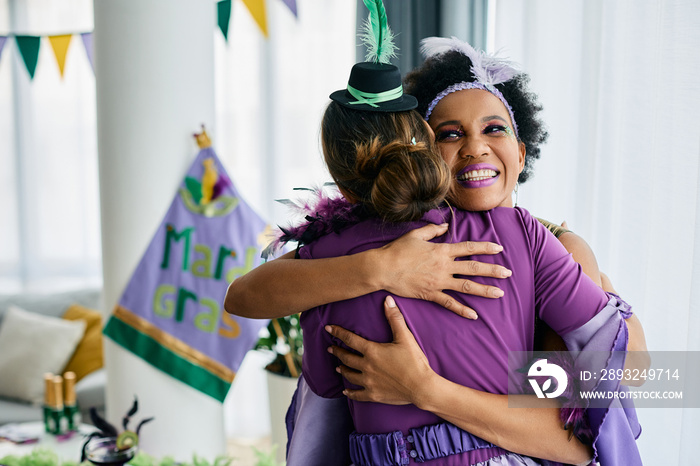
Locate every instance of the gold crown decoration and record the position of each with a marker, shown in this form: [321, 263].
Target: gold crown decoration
[202, 139]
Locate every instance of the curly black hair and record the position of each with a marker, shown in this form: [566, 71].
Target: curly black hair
[440, 71]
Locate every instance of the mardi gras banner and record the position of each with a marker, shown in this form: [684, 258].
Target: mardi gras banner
[171, 313]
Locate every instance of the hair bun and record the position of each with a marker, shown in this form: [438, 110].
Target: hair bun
[386, 161]
[406, 179]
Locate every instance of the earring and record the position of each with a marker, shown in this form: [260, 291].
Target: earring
[517, 185]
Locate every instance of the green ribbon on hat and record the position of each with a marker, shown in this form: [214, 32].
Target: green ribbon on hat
[373, 98]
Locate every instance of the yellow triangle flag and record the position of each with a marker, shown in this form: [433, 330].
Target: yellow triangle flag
[60, 49]
[257, 9]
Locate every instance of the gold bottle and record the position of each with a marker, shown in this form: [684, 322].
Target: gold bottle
[48, 402]
[70, 404]
[59, 421]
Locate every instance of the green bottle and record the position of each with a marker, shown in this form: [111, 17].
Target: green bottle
[70, 404]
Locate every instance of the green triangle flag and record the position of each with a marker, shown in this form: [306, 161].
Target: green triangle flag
[29, 49]
[224, 12]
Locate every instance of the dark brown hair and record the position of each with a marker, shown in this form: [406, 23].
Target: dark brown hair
[372, 156]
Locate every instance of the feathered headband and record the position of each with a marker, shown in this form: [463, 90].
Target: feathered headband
[488, 70]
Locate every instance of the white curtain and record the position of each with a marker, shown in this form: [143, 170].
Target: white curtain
[271, 93]
[49, 206]
[619, 84]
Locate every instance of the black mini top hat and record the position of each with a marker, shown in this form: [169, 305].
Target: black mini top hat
[375, 87]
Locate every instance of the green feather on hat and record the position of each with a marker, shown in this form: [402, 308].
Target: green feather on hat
[376, 34]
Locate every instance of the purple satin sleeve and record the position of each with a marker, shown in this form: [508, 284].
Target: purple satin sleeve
[317, 429]
[566, 298]
[601, 344]
[623, 308]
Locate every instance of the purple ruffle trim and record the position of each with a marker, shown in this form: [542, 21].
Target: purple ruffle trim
[378, 449]
[599, 344]
[422, 444]
[623, 307]
[602, 343]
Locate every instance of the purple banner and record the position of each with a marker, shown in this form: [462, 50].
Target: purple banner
[208, 238]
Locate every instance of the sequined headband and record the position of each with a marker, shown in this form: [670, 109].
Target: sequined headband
[488, 70]
[472, 85]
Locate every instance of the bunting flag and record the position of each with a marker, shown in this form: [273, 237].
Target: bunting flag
[29, 49]
[87, 43]
[223, 9]
[60, 44]
[3, 39]
[257, 10]
[29, 45]
[292, 5]
[170, 313]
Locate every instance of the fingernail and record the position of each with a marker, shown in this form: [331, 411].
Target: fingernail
[328, 328]
[473, 316]
[345, 392]
[330, 349]
[390, 301]
[497, 292]
[497, 248]
[337, 369]
[506, 273]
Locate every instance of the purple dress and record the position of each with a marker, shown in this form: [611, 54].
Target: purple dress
[546, 282]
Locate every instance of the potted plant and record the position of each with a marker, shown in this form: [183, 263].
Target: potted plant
[284, 340]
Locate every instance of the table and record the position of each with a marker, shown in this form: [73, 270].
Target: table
[67, 449]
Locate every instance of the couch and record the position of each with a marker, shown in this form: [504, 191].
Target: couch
[90, 389]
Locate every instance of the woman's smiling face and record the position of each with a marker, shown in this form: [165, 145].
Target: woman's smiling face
[475, 136]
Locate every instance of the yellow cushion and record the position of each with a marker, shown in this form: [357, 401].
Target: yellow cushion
[88, 354]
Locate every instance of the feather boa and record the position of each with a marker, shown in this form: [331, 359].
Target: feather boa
[323, 214]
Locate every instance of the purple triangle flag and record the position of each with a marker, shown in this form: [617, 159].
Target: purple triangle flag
[3, 39]
[171, 312]
[87, 42]
[292, 5]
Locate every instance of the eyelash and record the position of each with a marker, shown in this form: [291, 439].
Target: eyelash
[490, 129]
[448, 135]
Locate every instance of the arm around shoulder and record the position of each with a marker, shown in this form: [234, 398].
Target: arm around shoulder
[409, 266]
[287, 286]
